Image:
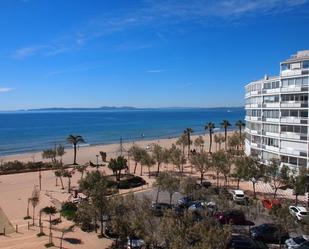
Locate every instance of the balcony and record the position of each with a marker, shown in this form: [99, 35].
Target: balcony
[294, 104]
[271, 105]
[271, 148]
[271, 120]
[255, 119]
[294, 120]
[294, 72]
[271, 134]
[290, 135]
[293, 152]
[294, 89]
[269, 91]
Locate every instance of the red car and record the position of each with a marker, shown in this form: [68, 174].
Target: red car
[235, 217]
[269, 204]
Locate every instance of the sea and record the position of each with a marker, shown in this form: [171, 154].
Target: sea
[30, 131]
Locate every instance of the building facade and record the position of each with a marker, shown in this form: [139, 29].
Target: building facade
[277, 114]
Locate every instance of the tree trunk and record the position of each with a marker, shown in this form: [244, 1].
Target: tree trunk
[135, 168]
[74, 154]
[101, 221]
[50, 230]
[141, 170]
[69, 187]
[56, 181]
[275, 193]
[33, 213]
[28, 208]
[188, 145]
[158, 169]
[62, 187]
[202, 177]
[238, 181]
[210, 141]
[296, 199]
[254, 193]
[225, 135]
[62, 235]
[157, 197]
[171, 195]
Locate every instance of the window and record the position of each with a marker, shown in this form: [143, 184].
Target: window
[285, 67]
[271, 114]
[305, 64]
[271, 128]
[271, 99]
[294, 129]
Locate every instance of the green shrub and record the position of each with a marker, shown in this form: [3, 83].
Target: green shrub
[69, 210]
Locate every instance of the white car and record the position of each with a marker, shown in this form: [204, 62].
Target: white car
[238, 196]
[300, 213]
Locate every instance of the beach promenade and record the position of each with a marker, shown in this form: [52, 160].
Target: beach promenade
[16, 189]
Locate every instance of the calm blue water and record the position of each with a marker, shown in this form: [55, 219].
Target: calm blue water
[33, 131]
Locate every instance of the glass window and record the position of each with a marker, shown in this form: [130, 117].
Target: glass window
[293, 160]
[298, 81]
[302, 162]
[285, 67]
[305, 64]
[291, 82]
[285, 83]
[304, 114]
[305, 81]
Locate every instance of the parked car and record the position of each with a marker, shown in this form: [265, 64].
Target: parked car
[296, 242]
[269, 233]
[159, 208]
[206, 184]
[300, 213]
[197, 206]
[135, 243]
[269, 204]
[185, 201]
[238, 196]
[240, 241]
[235, 217]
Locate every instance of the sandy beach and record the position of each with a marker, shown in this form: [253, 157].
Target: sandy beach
[16, 189]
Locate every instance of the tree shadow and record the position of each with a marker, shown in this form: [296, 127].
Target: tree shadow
[73, 241]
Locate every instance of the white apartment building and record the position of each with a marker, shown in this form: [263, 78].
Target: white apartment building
[277, 114]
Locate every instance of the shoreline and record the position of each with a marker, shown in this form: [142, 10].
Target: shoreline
[89, 153]
[30, 153]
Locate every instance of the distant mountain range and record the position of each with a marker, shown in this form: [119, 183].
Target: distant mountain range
[106, 108]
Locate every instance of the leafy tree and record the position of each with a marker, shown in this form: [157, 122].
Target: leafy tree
[199, 143]
[170, 184]
[69, 175]
[147, 160]
[221, 164]
[225, 124]
[183, 142]
[299, 182]
[136, 153]
[74, 140]
[81, 169]
[219, 139]
[176, 157]
[117, 165]
[158, 155]
[188, 132]
[210, 128]
[35, 199]
[58, 174]
[84, 216]
[201, 163]
[50, 211]
[240, 124]
[277, 176]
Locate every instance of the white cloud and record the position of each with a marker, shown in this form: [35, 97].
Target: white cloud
[156, 71]
[156, 14]
[5, 89]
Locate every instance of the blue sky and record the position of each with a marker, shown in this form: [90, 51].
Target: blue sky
[147, 53]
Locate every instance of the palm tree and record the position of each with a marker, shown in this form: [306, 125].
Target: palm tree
[210, 127]
[225, 124]
[240, 124]
[68, 174]
[50, 211]
[159, 155]
[35, 198]
[74, 140]
[199, 143]
[188, 132]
